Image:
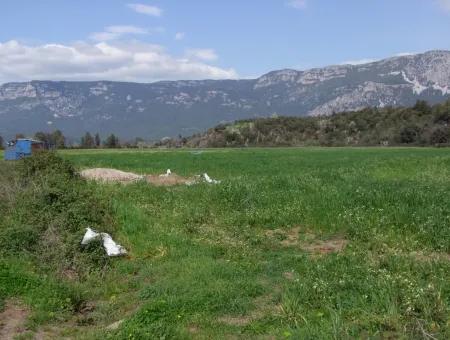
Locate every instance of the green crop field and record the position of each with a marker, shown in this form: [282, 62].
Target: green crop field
[313, 243]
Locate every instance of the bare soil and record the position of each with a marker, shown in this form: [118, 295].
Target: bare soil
[235, 320]
[307, 241]
[167, 180]
[117, 176]
[430, 257]
[321, 247]
[12, 320]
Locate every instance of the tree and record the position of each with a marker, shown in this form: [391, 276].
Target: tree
[87, 141]
[409, 134]
[58, 140]
[43, 137]
[55, 139]
[20, 135]
[112, 141]
[97, 140]
[1, 143]
[422, 107]
[440, 136]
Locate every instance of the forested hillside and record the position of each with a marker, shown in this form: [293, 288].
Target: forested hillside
[421, 125]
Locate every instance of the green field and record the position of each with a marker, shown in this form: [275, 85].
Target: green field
[313, 243]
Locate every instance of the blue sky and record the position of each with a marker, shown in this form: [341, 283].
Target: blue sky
[192, 39]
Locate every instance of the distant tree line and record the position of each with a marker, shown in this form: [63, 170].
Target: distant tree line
[57, 140]
[420, 125]
[88, 141]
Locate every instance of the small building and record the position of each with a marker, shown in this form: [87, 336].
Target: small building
[23, 147]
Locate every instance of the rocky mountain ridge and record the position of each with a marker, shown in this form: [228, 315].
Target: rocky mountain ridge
[170, 108]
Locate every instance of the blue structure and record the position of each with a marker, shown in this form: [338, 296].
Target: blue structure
[21, 148]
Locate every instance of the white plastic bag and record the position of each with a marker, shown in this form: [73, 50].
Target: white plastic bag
[167, 174]
[111, 247]
[209, 179]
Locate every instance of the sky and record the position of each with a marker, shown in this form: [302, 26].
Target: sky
[153, 40]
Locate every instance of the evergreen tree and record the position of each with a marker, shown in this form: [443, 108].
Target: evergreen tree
[55, 139]
[422, 107]
[112, 141]
[1, 143]
[87, 141]
[42, 137]
[97, 140]
[58, 140]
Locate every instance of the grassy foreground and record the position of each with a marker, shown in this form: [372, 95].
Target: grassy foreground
[259, 255]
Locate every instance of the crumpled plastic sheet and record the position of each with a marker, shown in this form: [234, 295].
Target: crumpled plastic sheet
[167, 174]
[209, 179]
[111, 247]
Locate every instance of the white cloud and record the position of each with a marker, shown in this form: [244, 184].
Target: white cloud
[180, 35]
[359, 62]
[104, 36]
[404, 54]
[126, 29]
[118, 31]
[371, 60]
[146, 9]
[130, 61]
[445, 4]
[206, 54]
[297, 4]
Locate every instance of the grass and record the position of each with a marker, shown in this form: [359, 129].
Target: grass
[234, 260]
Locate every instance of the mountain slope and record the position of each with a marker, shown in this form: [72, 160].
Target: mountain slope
[184, 107]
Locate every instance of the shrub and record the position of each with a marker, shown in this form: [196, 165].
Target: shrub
[409, 134]
[440, 136]
[48, 210]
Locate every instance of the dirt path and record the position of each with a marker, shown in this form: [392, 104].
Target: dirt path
[12, 320]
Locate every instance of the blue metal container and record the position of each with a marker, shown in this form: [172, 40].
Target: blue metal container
[21, 148]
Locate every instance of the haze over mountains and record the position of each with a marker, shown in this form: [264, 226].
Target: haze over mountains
[170, 108]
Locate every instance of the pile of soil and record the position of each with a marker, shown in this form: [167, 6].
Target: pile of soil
[110, 175]
[168, 180]
[113, 175]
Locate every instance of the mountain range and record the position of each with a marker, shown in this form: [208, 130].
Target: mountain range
[171, 108]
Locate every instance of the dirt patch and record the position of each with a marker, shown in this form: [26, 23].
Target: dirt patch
[115, 325]
[306, 240]
[322, 247]
[12, 319]
[290, 237]
[287, 238]
[430, 257]
[264, 305]
[193, 329]
[289, 276]
[235, 320]
[70, 274]
[168, 180]
[110, 175]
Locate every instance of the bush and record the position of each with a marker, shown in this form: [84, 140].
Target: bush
[440, 136]
[48, 210]
[409, 134]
